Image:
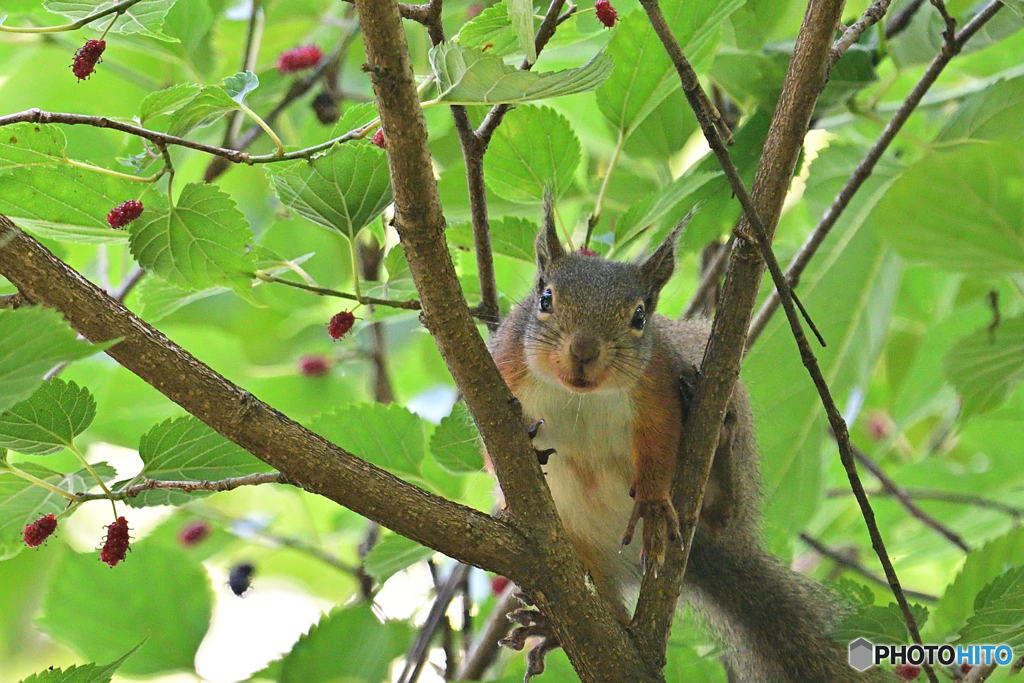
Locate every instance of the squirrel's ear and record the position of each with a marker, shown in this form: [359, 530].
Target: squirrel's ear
[548, 245]
[660, 265]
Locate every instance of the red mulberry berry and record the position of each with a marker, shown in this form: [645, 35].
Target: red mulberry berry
[299, 58]
[193, 534]
[498, 584]
[115, 547]
[314, 365]
[606, 14]
[340, 325]
[378, 139]
[906, 672]
[39, 530]
[123, 214]
[585, 251]
[85, 59]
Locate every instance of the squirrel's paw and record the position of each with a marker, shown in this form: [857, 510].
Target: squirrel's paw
[542, 455]
[531, 623]
[661, 525]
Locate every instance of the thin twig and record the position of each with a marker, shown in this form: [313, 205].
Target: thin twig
[949, 34]
[485, 650]
[118, 9]
[709, 279]
[841, 559]
[872, 15]
[864, 169]
[980, 673]
[12, 301]
[421, 646]
[946, 497]
[253, 37]
[128, 283]
[408, 304]
[186, 486]
[901, 20]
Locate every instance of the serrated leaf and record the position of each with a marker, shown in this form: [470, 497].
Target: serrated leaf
[239, 85]
[167, 100]
[490, 31]
[49, 420]
[355, 116]
[160, 590]
[85, 673]
[991, 114]
[389, 436]
[343, 190]
[987, 366]
[145, 17]
[511, 236]
[981, 233]
[201, 242]
[209, 105]
[534, 147]
[32, 341]
[650, 210]
[998, 612]
[392, 554]
[22, 502]
[185, 449]
[456, 445]
[878, 624]
[471, 76]
[520, 14]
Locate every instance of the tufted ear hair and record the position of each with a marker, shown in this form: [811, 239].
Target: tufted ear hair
[548, 245]
[656, 271]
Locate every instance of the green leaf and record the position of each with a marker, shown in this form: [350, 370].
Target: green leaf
[511, 236]
[456, 445]
[392, 554]
[355, 116]
[49, 420]
[343, 190]
[998, 612]
[350, 644]
[185, 449]
[145, 17]
[167, 100]
[241, 84]
[23, 502]
[650, 210]
[202, 242]
[981, 233]
[490, 31]
[520, 14]
[534, 147]
[878, 624]
[32, 341]
[160, 298]
[160, 590]
[211, 103]
[990, 114]
[987, 366]
[643, 75]
[389, 436]
[471, 76]
[85, 673]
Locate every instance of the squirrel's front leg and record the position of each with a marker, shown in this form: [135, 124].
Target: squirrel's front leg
[655, 446]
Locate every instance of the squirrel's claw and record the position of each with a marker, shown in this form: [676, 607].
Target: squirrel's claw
[531, 431]
[542, 455]
[661, 526]
[531, 623]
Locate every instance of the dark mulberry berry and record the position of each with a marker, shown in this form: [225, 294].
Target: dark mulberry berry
[299, 58]
[340, 324]
[498, 584]
[314, 365]
[115, 547]
[606, 14]
[85, 59]
[240, 578]
[906, 672]
[378, 139]
[585, 251]
[325, 106]
[123, 214]
[39, 530]
[965, 669]
[193, 534]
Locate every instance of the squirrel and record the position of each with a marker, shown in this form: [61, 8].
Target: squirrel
[586, 354]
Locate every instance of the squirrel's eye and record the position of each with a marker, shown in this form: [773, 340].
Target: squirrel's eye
[639, 319]
[545, 301]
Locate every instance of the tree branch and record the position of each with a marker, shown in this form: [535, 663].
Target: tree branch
[303, 457]
[421, 646]
[709, 279]
[485, 650]
[188, 486]
[872, 15]
[849, 563]
[946, 497]
[901, 20]
[866, 166]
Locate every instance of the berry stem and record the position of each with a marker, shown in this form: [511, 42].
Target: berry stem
[117, 9]
[355, 269]
[408, 304]
[110, 26]
[595, 215]
[37, 481]
[117, 174]
[85, 463]
[266, 128]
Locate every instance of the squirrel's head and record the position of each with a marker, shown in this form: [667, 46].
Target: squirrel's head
[588, 327]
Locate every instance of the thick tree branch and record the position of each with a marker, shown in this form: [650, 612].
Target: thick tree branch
[597, 646]
[304, 458]
[866, 166]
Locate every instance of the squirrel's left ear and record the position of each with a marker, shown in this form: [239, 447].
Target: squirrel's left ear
[660, 265]
[548, 245]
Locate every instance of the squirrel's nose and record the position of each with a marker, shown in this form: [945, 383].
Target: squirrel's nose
[584, 349]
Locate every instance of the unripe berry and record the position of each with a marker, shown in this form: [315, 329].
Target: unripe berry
[86, 57]
[378, 139]
[474, 10]
[606, 14]
[906, 672]
[123, 214]
[879, 426]
[299, 58]
[340, 324]
[314, 365]
[585, 251]
[240, 578]
[39, 530]
[193, 534]
[498, 584]
[115, 547]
